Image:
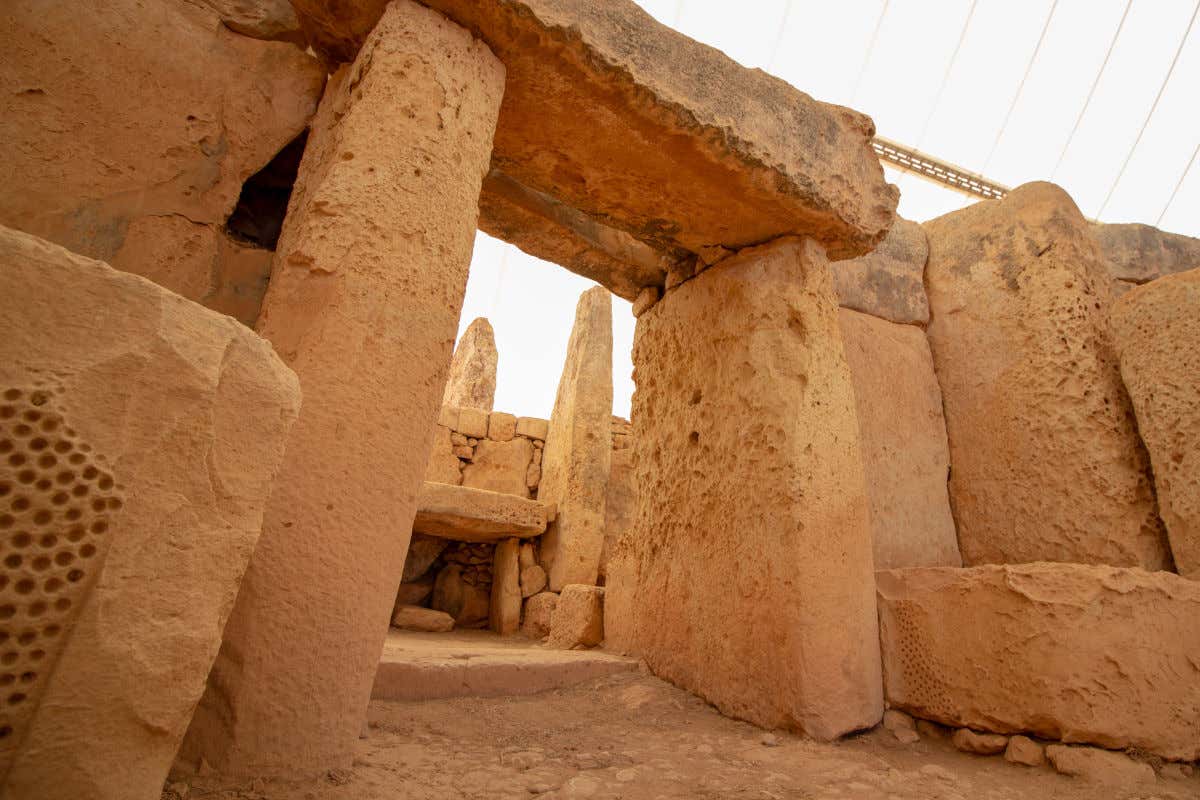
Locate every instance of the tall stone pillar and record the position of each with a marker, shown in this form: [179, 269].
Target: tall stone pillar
[747, 574]
[363, 304]
[576, 460]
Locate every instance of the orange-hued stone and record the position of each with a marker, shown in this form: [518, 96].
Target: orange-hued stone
[364, 304]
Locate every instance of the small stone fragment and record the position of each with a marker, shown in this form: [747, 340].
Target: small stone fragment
[769, 740]
[533, 580]
[1023, 750]
[578, 619]
[1098, 766]
[931, 730]
[416, 618]
[896, 720]
[539, 610]
[984, 744]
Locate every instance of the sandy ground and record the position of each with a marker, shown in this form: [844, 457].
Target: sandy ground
[634, 737]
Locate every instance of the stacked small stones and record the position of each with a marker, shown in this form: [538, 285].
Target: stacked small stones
[488, 450]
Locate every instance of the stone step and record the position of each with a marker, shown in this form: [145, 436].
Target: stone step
[432, 666]
[477, 515]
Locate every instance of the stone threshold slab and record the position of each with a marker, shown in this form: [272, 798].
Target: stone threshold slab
[434, 666]
[464, 514]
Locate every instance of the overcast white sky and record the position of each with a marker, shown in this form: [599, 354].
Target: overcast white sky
[822, 48]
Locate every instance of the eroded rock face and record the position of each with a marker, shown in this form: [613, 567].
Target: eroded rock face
[260, 19]
[576, 459]
[1079, 653]
[364, 303]
[1047, 461]
[472, 379]
[142, 434]
[1141, 253]
[741, 380]
[578, 617]
[135, 152]
[500, 466]
[1156, 331]
[888, 282]
[903, 436]
[630, 126]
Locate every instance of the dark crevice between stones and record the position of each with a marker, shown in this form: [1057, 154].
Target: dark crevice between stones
[258, 217]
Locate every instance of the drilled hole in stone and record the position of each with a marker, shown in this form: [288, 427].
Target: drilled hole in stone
[59, 498]
[75, 575]
[21, 504]
[16, 459]
[64, 558]
[6, 521]
[12, 561]
[80, 489]
[43, 484]
[99, 526]
[10, 657]
[47, 461]
[38, 444]
[72, 514]
[76, 533]
[28, 677]
[115, 503]
[37, 655]
[5, 731]
[53, 585]
[22, 430]
[62, 446]
[88, 550]
[12, 394]
[49, 425]
[24, 586]
[39, 398]
[105, 482]
[5, 489]
[6, 412]
[77, 458]
[22, 539]
[16, 698]
[31, 415]
[48, 540]
[62, 604]
[52, 630]
[26, 476]
[258, 216]
[42, 517]
[98, 504]
[41, 563]
[7, 679]
[37, 609]
[26, 638]
[6, 446]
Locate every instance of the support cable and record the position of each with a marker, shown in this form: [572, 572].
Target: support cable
[870, 50]
[1178, 184]
[1020, 87]
[1153, 108]
[937, 102]
[1091, 92]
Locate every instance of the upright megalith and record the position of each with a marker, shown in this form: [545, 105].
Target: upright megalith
[472, 379]
[364, 304]
[576, 459]
[747, 576]
[1156, 331]
[139, 435]
[1047, 464]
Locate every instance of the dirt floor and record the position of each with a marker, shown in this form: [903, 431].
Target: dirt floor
[634, 737]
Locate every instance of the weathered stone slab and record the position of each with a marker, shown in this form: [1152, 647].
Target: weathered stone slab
[1141, 253]
[135, 152]
[364, 302]
[505, 615]
[1156, 331]
[1074, 652]
[539, 610]
[618, 503]
[1047, 461]
[443, 466]
[903, 435]
[476, 515]
[416, 618]
[889, 282]
[754, 591]
[140, 435]
[260, 19]
[500, 466]
[578, 618]
[576, 459]
[472, 379]
[639, 129]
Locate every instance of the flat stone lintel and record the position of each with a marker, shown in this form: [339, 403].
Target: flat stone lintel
[476, 515]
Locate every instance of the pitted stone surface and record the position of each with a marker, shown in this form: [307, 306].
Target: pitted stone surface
[1047, 461]
[888, 282]
[139, 436]
[754, 591]
[1079, 653]
[1156, 330]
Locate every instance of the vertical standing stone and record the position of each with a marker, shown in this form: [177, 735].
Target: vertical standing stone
[1047, 461]
[575, 463]
[747, 574]
[504, 616]
[363, 304]
[472, 380]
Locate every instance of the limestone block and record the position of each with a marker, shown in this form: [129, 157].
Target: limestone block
[1156, 331]
[1025, 751]
[1080, 653]
[629, 127]
[135, 152]
[618, 503]
[260, 19]
[741, 378]
[416, 593]
[539, 610]
[416, 618]
[532, 427]
[983, 744]
[889, 282]
[505, 615]
[500, 466]
[422, 552]
[1099, 766]
[533, 580]
[501, 426]
[467, 603]
[533, 478]
[464, 514]
[141, 434]
[578, 617]
[443, 465]
[448, 417]
[903, 435]
[575, 461]
[1047, 461]
[527, 557]
[364, 302]
[1142, 253]
[472, 422]
[472, 379]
